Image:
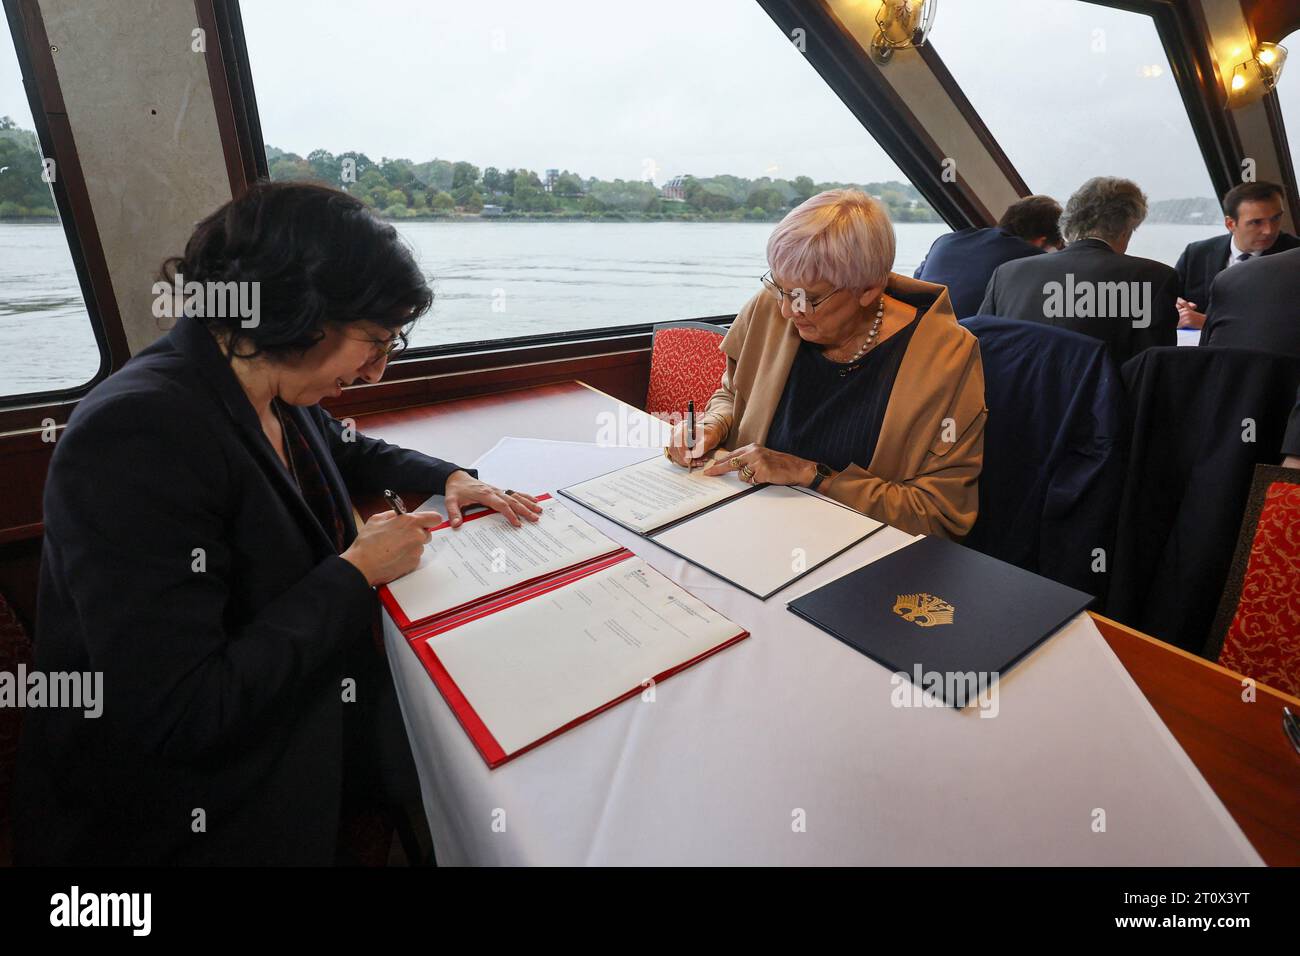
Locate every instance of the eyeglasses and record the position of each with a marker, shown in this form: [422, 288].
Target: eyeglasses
[384, 348]
[781, 295]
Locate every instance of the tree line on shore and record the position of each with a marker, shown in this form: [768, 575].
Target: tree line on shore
[444, 189]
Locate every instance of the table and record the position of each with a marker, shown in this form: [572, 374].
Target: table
[793, 726]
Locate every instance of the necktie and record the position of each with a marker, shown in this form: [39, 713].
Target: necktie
[1243, 257]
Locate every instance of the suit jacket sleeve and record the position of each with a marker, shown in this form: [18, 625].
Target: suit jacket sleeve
[1291, 443]
[721, 408]
[370, 464]
[942, 498]
[1181, 268]
[990, 304]
[137, 498]
[1207, 330]
[1163, 329]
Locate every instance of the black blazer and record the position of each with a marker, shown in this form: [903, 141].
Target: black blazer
[181, 561]
[1204, 259]
[1019, 290]
[1256, 305]
[964, 261]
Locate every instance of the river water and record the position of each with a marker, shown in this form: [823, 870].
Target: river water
[491, 280]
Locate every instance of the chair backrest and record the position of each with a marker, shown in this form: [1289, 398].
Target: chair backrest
[15, 649]
[1201, 419]
[686, 364]
[1257, 629]
[1053, 450]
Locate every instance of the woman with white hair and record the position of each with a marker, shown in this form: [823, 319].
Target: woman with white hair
[847, 378]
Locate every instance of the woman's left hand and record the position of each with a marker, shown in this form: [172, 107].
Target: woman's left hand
[463, 490]
[758, 465]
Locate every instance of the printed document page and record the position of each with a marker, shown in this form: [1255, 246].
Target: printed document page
[653, 493]
[486, 555]
[529, 669]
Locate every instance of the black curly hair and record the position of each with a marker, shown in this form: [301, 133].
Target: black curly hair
[318, 254]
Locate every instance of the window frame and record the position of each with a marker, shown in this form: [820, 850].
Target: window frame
[72, 200]
[495, 353]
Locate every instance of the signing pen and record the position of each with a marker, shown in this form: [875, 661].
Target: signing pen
[395, 502]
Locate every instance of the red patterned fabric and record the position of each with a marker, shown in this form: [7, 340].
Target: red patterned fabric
[15, 649]
[685, 364]
[1263, 641]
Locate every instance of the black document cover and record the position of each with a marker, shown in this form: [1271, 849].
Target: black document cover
[937, 608]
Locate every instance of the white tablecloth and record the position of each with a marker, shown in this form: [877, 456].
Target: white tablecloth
[791, 726]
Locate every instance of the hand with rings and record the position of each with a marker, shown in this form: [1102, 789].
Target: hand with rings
[759, 466]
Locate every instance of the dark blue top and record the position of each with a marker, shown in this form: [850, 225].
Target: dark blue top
[964, 261]
[831, 415]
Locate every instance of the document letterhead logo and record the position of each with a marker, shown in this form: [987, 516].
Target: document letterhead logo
[923, 610]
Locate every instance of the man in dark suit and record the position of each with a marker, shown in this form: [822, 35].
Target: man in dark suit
[1257, 306]
[1253, 214]
[1091, 286]
[964, 260]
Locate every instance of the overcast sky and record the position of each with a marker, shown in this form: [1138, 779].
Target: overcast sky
[697, 86]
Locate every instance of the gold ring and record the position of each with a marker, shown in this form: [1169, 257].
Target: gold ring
[747, 473]
[735, 463]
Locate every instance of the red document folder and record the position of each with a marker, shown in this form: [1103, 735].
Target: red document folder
[403, 622]
[419, 633]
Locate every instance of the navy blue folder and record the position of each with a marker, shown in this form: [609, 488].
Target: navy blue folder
[935, 608]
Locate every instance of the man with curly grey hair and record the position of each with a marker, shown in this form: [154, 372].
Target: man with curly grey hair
[1092, 286]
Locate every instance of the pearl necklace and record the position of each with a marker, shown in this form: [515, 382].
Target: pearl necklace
[870, 340]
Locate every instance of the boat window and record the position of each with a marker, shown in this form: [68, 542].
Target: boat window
[1073, 90]
[1288, 94]
[47, 343]
[554, 177]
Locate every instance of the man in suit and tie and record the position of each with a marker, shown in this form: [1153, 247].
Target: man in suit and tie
[1256, 305]
[1253, 214]
[964, 260]
[1091, 286]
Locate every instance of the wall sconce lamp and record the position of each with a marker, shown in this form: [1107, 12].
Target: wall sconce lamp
[902, 24]
[1253, 79]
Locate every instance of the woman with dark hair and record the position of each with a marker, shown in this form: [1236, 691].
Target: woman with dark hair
[201, 555]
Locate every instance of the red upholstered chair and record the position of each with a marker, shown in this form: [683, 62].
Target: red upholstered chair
[686, 364]
[1257, 629]
[15, 649]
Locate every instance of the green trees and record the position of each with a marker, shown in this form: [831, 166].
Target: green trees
[23, 191]
[400, 188]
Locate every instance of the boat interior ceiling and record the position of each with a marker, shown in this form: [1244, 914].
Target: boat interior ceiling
[141, 138]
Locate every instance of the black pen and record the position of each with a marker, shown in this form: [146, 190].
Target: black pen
[395, 502]
[690, 423]
[1291, 727]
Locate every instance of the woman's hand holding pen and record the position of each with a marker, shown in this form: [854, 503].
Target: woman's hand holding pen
[707, 437]
[389, 545]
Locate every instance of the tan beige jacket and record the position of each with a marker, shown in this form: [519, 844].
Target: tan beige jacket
[924, 474]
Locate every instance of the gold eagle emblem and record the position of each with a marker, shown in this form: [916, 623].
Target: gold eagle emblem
[923, 610]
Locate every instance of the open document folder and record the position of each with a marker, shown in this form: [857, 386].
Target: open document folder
[759, 538]
[530, 631]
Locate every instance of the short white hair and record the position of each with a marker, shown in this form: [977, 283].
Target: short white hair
[841, 236]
